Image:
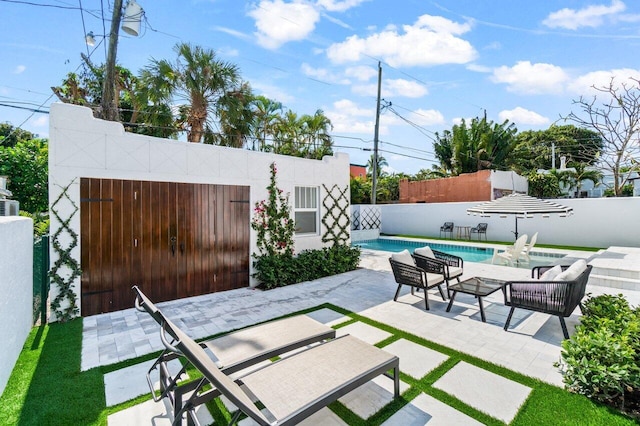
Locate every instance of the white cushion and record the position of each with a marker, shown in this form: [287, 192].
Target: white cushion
[550, 274]
[454, 271]
[425, 252]
[433, 279]
[573, 271]
[403, 257]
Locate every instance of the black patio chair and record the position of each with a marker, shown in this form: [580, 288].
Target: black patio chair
[480, 230]
[447, 227]
[451, 264]
[415, 277]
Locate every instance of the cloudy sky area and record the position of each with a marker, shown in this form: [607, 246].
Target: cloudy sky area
[441, 61]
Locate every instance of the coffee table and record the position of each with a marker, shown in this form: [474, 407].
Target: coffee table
[477, 286]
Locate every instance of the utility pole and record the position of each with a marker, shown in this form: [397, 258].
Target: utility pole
[108, 103]
[374, 184]
[553, 155]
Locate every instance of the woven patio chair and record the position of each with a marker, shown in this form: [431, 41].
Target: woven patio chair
[426, 257]
[409, 274]
[447, 227]
[291, 389]
[556, 295]
[480, 230]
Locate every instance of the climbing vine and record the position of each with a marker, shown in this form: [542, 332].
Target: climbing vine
[336, 217]
[272, 221]
[66, 269]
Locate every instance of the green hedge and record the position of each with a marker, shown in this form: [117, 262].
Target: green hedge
[281, 270]
[602, 359]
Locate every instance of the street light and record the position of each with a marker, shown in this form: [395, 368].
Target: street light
[131, 25]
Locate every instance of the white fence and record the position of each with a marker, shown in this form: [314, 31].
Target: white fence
[599, 222]
[16, 290]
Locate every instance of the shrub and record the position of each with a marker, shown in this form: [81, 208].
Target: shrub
[278, 270]
[602, 359]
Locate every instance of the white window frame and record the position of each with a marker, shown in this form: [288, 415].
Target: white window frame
[307, 200]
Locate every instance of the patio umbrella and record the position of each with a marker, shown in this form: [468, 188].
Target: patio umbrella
[520, 206]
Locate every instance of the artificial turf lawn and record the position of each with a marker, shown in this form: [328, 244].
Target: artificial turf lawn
[47, 387]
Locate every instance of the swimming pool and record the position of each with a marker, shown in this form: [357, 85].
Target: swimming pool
[467, 253]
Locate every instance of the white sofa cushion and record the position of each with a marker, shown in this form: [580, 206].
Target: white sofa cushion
[573, 271]
[403, 257]
[550, 274]
[425, 252]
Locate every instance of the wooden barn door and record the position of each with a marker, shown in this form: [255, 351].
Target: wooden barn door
[173, 240]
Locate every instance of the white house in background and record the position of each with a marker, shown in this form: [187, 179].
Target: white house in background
[172, 217]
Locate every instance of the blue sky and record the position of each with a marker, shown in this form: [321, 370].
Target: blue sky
[525, 61]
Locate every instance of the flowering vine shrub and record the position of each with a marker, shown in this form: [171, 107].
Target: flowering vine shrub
[272, 221]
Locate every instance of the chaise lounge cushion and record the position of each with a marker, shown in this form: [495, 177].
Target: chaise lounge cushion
[573, 271]
[403, 257]
[425, 252]
[550, 274]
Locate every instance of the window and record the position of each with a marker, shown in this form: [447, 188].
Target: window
[306, 210]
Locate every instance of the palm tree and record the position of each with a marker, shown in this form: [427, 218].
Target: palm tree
[265, 116]
[381, 163]
[235, 114]
[197, 79]
[316, 129]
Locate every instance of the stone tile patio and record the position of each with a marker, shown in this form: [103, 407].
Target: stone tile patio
[530, 347]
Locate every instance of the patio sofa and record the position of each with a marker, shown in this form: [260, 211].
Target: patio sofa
[555, 290]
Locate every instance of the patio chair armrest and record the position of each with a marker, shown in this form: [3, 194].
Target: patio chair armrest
[449, 259]
[429, 264]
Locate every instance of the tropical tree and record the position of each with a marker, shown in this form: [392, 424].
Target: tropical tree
[534, 149]
[26, 166]
[317, 140]
[616, 119]
[360, 191]
[481, 145]
[197, 81]
[266, 113]
[382, 162]
[235, 112]
[10, 136]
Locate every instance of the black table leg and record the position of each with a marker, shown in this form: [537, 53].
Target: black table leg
[481, 309]
[453, 296]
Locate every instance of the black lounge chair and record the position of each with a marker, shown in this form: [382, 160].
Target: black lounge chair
[447, 227]
[289, 390]
[481, 230]
[558, 298]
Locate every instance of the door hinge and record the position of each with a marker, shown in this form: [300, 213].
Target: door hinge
[135, 242]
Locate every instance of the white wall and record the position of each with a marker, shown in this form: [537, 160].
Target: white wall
[501, 179]
[82, 146]
[596, 222]
[16, 290]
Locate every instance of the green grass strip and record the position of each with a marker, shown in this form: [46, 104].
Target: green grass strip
[47, 387]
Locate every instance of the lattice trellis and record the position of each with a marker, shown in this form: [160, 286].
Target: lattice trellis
[355, 220]
[336, 216]
[66, 269]
[370, 218]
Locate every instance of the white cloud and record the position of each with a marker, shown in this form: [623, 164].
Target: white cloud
[530, 79]
[347, 117]
[479, 68]
[278, 22]
[40, 121]
[232, 32]
[590, 16]
[431, 40]
[362, 73]
[271, 92]
[19, 69]
[339, 5]
[520, 115]
[583, 85]
[322, 74]
[392, 88]
[426, 117]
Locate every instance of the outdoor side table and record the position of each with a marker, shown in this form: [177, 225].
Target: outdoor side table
[463, 232]
[476, 286]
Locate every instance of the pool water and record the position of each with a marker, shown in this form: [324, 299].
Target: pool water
[467, 253]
